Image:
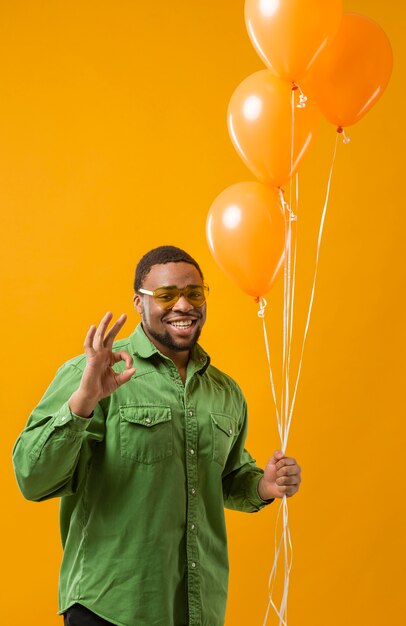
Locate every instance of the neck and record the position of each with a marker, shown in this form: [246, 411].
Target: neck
[179, 358]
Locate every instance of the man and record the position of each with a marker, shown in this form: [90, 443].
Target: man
[143, 439]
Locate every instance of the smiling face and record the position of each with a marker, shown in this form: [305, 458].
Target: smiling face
[174, 330]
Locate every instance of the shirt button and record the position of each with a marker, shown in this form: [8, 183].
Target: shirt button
[192, 526]
[63, 419]
[230, 430]
[193, 564]
[190, 413]
[192, 451]
[148, 420]
[193, 491]
[202, 359]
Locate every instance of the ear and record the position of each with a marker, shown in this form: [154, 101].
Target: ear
[138, 303]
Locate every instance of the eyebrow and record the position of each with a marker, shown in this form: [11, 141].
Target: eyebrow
[176, 287]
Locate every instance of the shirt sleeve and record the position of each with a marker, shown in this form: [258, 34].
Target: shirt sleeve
[51, 454]
[241, 475]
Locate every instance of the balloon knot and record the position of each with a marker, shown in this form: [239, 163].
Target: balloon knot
[302, 97]
[262, 305]
[346, 139]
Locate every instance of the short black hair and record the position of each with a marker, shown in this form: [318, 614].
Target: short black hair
[160, 256]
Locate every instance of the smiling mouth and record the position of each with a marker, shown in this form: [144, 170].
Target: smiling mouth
[182, 323]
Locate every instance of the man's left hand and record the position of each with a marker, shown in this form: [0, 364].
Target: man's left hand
[281, 477]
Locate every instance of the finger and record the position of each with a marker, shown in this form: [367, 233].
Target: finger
[290, 491]
[122, 355]
[282, 490]
[125, 376]
[287, 460]
[288, 480]
[288, 470]
[101, 329]
[88, 345]
[114, 330]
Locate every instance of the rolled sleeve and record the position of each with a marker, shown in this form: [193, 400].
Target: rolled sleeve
[47, 452]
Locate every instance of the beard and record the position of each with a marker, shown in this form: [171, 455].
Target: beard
[165, 339]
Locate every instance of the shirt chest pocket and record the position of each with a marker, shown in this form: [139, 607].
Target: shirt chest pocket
[146, 433]
[223, 429]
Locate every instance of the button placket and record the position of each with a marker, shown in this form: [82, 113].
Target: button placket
[191, 451]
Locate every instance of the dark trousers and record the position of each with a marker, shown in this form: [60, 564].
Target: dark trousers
[78, 615]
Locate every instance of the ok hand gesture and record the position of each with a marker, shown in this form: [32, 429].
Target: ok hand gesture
[99, 380]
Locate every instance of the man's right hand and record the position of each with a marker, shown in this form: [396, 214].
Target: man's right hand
[99, 380]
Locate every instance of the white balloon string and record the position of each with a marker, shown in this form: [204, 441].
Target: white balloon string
[293, 246]
[289, 282]
[288, 268]
[285, 330]
[291, 320]
[291, 300]
[287, 544]
[261, 314]
[309, 312]
[272, 576]
[292, 141]
[297, 189]
[346, 139]
[284, 410]
[283, 543]
[286, 320]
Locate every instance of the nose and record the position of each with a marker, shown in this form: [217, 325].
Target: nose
[182, 305]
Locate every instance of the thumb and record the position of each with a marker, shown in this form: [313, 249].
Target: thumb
[277, 456]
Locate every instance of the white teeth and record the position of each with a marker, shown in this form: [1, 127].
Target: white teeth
[185, 324]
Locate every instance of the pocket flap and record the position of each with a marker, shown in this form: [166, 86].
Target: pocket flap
[145, 415]
[225, 423]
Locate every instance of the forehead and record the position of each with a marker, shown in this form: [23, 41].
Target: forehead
[179, 274]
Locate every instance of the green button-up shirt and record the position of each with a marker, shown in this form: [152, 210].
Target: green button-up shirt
[143, 485]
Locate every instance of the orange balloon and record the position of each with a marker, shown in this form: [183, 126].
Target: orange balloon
[246, 235]
[352, 72]
[260, 126]
[289, 34]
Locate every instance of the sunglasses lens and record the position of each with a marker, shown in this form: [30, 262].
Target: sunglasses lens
[195, 295]
[167, 297]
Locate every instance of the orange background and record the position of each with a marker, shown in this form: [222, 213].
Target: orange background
[113, 140]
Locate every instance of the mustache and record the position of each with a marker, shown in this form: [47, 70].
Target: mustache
[191, 315]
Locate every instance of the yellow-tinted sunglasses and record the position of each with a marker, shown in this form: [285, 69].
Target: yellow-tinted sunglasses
[167, 297]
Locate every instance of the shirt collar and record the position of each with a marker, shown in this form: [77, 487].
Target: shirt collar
[142, 347]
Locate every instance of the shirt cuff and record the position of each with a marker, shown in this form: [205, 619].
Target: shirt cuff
[254, 497]
[65, 417]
